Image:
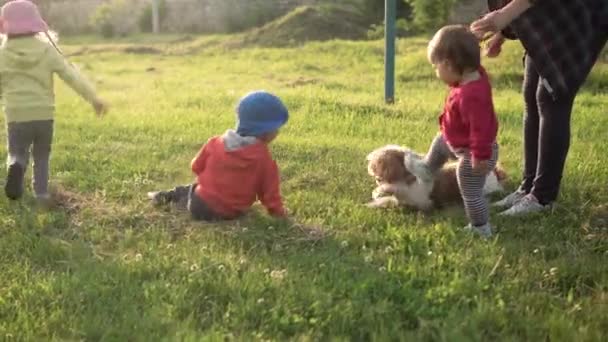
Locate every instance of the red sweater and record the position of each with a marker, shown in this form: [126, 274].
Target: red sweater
[229, 182]
[468, 119]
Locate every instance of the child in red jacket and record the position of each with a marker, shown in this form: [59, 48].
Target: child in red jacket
[236, 169]
[468, 122]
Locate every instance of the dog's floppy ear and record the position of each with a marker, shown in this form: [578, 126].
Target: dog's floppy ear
[381, 150]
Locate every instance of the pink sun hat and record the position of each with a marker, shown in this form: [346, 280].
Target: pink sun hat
[21, 17]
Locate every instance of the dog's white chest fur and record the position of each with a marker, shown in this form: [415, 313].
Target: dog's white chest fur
[415, 195]
[418, 194]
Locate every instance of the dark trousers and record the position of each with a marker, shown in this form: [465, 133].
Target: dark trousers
[547, 132]
[35, 138]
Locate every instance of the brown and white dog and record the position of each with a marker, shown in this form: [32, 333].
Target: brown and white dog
[398, 186]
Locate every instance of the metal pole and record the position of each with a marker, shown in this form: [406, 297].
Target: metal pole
[390, 11]
[155, 17]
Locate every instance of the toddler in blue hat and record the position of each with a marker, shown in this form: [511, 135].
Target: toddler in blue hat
[236, 169]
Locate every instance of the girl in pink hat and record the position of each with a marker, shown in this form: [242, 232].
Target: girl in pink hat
[27, 66]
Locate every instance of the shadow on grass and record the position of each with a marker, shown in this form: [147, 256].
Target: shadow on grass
[337, 271]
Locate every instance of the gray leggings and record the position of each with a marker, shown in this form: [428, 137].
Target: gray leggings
[37, 136]
[470, 184]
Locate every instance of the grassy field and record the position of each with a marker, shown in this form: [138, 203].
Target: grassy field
[108, 266]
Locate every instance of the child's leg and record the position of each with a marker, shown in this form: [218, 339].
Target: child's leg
[198, 208]
[471, 188]
[41, 153]
[424, 169]
[439, 153]
[179, 194]
[19, 140]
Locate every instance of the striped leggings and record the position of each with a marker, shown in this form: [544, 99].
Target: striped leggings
[470, 184]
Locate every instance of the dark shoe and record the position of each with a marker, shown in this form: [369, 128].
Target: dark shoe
[14, 181]
[159, 197]
[45, 202]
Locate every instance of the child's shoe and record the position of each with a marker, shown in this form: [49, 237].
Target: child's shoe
[484, 231]
[159, 197]
[45, 201]
[14, 181]
[418, 167]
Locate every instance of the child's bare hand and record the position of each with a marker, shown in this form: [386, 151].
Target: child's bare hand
[480, 167]
[493, 48]
[100, 107]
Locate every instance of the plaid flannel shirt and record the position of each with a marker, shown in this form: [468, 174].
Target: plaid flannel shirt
[563, 38]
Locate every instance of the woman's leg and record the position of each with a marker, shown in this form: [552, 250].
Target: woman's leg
[531, 125]
[554, 143]
[531, 133]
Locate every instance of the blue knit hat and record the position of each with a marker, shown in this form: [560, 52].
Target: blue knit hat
[260, 112]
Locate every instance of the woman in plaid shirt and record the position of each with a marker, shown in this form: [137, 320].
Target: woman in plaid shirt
[562, 39]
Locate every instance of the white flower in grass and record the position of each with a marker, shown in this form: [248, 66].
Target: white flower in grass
[382, 269]
[553, 271]
[278, 274]
[242, 261]
[429, 253]
[138, 257]
[368, 259]
[270, 228]
[260, 300]
[221, 267]
[535, 251]
[388, 250]
[344, 244]
[193, 267]
[266, 270]
[245, 229]
[363, 248]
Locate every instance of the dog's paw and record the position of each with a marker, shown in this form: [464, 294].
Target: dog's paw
[384, 202]
[383, 190]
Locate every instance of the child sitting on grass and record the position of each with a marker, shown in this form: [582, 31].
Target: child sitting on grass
[235, 169]
[27, 65]
[468, 122]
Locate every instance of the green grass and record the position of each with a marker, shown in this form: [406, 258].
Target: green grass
[108, 266]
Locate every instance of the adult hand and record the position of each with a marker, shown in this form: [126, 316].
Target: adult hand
[492, 22]
[494, 45]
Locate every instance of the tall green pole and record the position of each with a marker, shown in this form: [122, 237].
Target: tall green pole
[155, 16]
[390, 10]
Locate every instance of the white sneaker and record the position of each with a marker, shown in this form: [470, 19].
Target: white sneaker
[510, 200]
[484, 231]
[527, 205]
